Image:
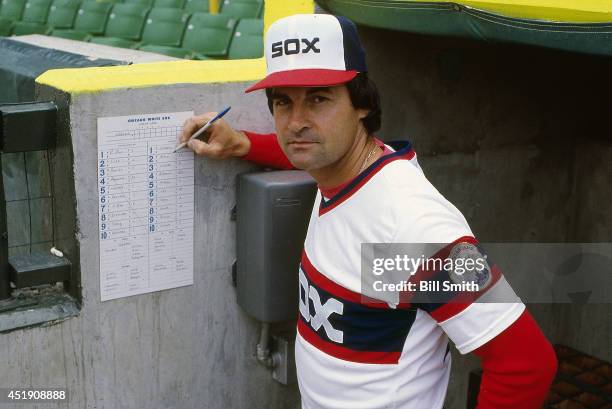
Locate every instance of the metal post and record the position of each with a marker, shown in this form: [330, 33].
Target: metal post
[213, 6]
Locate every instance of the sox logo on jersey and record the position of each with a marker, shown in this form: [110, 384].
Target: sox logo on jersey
[322, 311]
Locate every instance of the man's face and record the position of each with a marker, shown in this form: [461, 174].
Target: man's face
[316, 127]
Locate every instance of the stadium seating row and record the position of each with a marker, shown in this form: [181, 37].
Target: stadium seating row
[13, 9]
[164, 30]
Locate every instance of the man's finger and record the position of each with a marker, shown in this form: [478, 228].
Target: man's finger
[204, 149]
[194, 123]
[189, 128]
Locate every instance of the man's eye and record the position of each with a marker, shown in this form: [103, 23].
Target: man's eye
[279, 102]
[317, 99]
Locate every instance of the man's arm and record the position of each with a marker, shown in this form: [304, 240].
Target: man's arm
[224, 142]
[518, 362]
[266, 151]
[518, 366]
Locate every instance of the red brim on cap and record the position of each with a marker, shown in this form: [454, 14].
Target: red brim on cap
[304, 78]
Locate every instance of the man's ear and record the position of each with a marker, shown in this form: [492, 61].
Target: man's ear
[362, 112]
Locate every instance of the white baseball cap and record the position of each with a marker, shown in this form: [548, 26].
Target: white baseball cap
[311, 50]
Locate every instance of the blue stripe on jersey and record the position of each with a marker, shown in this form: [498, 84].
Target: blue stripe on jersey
[365, 328]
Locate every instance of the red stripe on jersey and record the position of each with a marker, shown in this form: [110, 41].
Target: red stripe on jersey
[423, 274]
[463, 300]
[340, 292]
[343, 353]
[369, 173]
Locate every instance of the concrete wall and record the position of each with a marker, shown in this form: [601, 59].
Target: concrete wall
[190, 347]
[519, 139]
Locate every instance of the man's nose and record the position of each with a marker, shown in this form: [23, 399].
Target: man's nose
[299, 119]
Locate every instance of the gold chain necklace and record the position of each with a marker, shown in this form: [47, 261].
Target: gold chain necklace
[365, 162]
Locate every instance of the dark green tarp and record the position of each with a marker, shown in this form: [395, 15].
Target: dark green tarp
[462, 21]
[21, 63]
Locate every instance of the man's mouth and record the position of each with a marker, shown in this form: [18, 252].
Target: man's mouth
[301, 143]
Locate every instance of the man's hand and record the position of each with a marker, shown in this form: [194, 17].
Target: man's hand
[222, 141]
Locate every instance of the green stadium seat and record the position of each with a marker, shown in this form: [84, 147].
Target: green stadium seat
[175, 4]
[34, 18]
[23, 28]
[209, 35]
[6, 27]
[245, 46]
[241, 9]
[62, 13]
[196, 6]
[36, 11]
[91, 19]
[12, 9]
[125, 22]
[114, 42]
[71, 34]
[208, 20]
[250, 26]
[204, 33]
[170, 51]
[148, 3]
[164, 27]
[167, 14]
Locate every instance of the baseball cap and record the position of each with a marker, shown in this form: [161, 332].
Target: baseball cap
[310, 50]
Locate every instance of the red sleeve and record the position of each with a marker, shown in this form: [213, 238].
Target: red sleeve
[266, 151]
[518, 367]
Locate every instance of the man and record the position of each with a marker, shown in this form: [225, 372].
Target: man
[350, 353]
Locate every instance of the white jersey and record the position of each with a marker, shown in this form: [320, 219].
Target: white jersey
[351, 355]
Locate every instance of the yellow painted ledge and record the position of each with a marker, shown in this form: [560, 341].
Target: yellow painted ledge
[567, 11]
[96, 79]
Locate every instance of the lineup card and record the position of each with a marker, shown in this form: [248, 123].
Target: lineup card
[146, 210]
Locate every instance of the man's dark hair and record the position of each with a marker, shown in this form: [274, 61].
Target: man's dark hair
[363, 94]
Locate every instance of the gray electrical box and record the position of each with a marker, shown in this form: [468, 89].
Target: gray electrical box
[272, 214]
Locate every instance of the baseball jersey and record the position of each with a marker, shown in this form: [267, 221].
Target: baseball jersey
[355, 355]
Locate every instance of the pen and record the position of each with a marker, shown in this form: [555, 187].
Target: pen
[203, 129]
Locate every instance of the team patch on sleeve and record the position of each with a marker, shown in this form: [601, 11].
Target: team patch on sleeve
[467, 275]
[471, 265]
